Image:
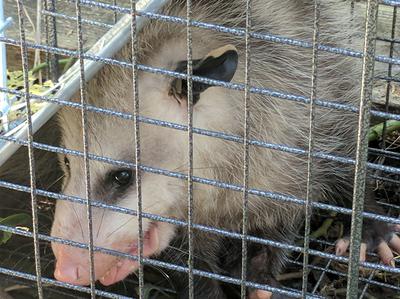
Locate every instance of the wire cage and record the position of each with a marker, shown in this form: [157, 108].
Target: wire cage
[72, 31]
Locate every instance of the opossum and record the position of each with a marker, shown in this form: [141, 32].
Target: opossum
[217, 56]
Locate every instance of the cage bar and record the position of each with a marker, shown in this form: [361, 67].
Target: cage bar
[219, 184]
[32, 170]
[189, 73]
[51, 39]
[134, 47]
[362, 147]
[246, 132]
[309, 191]
[132, 22]
[85, 140]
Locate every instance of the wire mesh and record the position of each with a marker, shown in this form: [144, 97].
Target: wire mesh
[35, 224]
[88, 193]
[189, 73]
[137, 144]
[246, 130]
[362, 147]
[386, 172]
[309, 191]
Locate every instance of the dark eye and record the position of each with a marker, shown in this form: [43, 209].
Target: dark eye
[122, 177]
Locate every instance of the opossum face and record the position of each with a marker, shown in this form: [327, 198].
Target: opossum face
[160, 98]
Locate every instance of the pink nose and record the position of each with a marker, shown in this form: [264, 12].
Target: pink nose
[70, 265]
[67, 273]
[71, 273]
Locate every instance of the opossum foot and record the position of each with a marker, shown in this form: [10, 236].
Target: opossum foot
[383, 241]
[261, 294]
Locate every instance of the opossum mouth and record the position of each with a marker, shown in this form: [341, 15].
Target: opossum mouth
[124, 267]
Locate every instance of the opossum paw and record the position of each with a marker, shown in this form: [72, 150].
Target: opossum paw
[261, 294]
[377, 237]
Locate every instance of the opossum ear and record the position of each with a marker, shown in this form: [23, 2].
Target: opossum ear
[220, 64]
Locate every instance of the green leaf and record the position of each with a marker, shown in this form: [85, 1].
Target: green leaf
[16, 81]
[14, 220]
[376, 132]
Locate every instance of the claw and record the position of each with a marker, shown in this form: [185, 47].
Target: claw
[363, 252]
[394, 243]
[341, 246]
[385, 253]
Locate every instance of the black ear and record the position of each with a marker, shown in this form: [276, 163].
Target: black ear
[219, 64]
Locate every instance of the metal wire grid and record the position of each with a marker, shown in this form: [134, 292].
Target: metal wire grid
[248, 90]
[24, 55]
[189, 73]
[309, 191]
[362, 147]
[51, 38]
[246, 130]
[137, 144]
[88, 193]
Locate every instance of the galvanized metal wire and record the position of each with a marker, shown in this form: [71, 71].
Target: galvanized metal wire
[51, 39]
[85, 141]
[389, 73]
[395, 3]
[309, 191]
[204, 228]
[362, 147]
[115, 13]
[246, 132]
[190, 208]
[138, 177]
[310, 201]
[225, 136]
[241, 32]
[32, 171]
[148, 261]
[73, 18]
[257, 192]
[234, 86]
[325, 270]
[56, 283]
[364, 290]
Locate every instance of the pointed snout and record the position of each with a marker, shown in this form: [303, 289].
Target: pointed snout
[71, 273]
[72, 265]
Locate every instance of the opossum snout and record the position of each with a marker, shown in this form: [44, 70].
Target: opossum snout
[71, 266]
[73, 263]
[68, 270]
